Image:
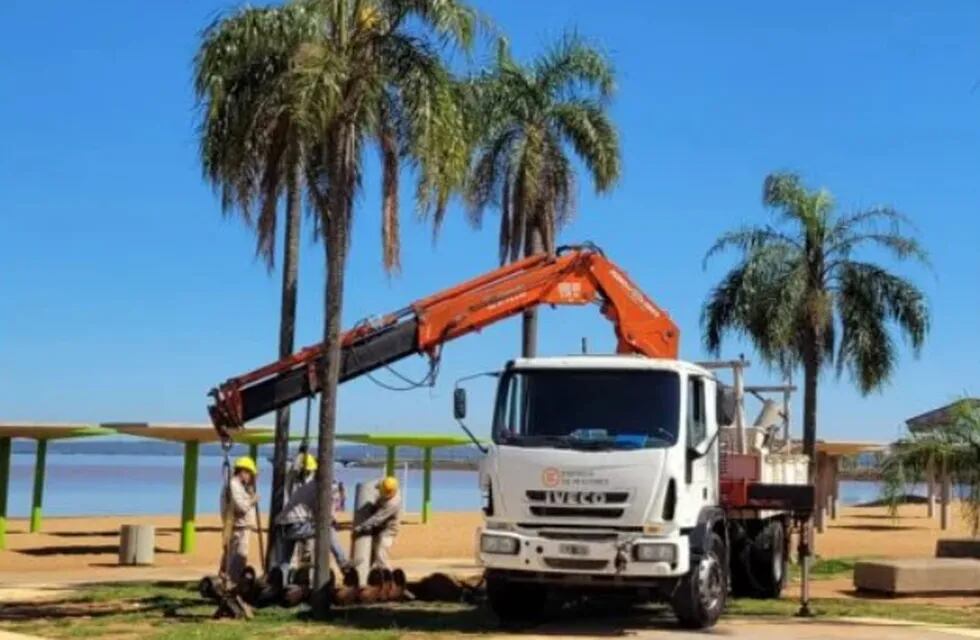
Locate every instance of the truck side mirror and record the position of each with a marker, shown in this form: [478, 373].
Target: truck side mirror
[459, 403]
[725, 405]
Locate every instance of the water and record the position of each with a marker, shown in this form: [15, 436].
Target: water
[87, 484]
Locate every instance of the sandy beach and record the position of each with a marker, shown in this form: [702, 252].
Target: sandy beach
[70, 545]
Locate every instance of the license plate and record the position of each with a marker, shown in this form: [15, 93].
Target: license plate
[574, 549]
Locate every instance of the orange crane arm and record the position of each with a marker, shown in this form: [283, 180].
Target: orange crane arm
[577, 276]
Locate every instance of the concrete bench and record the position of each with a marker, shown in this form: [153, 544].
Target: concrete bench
[958, 548]
[918, 575]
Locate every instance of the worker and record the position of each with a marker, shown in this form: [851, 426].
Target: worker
[295, 526]
[382, 525]
[302, 471]
[238, 500]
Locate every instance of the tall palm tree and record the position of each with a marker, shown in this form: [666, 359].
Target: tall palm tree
[532, 117]
[798, 285]
[373, 75]
[954, 447]
[252, 150]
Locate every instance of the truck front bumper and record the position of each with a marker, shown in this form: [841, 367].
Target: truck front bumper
[631, 559]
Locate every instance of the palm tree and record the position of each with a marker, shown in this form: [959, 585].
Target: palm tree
[252, 150]
[954, 447]
[797, 286]
[532, 117]
[373, 74]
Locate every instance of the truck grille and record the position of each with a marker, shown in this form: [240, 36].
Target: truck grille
[587, 536]
[576, 564]
[576, 512]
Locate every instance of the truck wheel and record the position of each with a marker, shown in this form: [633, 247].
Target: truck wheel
[699, 599]
[768, 561]
[516, 602]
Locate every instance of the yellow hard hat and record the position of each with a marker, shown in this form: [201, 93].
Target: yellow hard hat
[388, 486]
[246, 463]
[309, 462]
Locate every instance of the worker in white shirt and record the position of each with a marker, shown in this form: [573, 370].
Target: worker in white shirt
[383, 523]
[238, 499]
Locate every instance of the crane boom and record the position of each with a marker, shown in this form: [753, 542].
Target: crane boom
[576, 276]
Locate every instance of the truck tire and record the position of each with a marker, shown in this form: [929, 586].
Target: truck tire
[699, 598]
[768, 561]
[516, 602]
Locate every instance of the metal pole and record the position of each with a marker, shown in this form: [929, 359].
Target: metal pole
[426, 484]
[39, 464]
[944, 491]
[931, 489]
[189, 506]
[404, 487]
[4, 483]
[253, 451]
[390, 461]
[806, 531]
[834, 486]
[739, 404]
[788, 443]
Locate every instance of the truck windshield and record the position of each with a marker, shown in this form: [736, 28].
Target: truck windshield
[597, 408]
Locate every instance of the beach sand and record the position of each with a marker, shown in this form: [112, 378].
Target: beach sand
[73, 548]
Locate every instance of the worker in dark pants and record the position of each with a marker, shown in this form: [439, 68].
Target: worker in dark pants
[296, 525]
[383, 523]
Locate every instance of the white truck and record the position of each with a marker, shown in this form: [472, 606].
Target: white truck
[634, 472]
[636, 475]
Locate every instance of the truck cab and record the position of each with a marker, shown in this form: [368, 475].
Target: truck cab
[600, 471]
[603, 474]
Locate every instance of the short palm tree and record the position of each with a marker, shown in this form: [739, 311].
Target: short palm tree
[798, 286]
[373, 75]
[531, 118]
[954, 447]
[252, 149]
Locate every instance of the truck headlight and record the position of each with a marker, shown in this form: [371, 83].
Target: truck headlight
[504, 545]
[654, 552]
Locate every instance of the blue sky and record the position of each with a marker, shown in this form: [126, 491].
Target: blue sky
[125, 295]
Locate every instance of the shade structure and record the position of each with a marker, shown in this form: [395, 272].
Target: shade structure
[827, 489]
[425, 441]
[40, 433]
[192, 436]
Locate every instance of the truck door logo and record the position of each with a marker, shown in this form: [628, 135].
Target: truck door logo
[551, 477]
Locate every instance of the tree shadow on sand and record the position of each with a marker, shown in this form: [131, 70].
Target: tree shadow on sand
[167, 605]
[78, 550]
[876, 527]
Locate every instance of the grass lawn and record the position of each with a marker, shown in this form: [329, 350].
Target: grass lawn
[827, 568]
[165, 611]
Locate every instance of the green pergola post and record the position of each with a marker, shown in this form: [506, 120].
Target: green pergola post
[390, 462]
[4, 483]
[426, 484]
[39, 464]
[191, 450]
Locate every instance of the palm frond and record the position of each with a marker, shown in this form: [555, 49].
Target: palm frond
[748, 240]
[593, 136]
[571, 66]
[868, 298]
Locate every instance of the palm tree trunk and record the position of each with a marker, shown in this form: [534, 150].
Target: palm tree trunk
[529, 323]
[287, 331]
[335, 247]
[811, 370]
